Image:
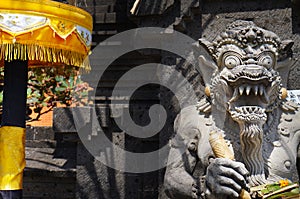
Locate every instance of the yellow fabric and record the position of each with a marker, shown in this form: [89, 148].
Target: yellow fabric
[49, 9]
[42, 48]
[64, 38]
[62, 28]
[12, 157]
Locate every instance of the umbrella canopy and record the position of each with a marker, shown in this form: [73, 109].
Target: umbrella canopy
[33, 33]
[46, 33]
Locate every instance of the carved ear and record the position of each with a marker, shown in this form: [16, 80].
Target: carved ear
[284, 66]
[207, 67]
[206, 64]
[287, 45]
[207, 45]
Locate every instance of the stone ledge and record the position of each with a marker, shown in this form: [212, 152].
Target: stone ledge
[39, 133]
[41, 143]
[29, 172]
[64, 119]
[44, 160]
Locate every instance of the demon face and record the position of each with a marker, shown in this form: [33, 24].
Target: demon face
[245, 81]
[247, 86]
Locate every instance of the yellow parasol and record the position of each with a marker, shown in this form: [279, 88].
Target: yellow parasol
[44, 33]
[34, 33]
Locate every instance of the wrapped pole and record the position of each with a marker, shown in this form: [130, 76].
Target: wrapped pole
[34, 33]
[12, 131]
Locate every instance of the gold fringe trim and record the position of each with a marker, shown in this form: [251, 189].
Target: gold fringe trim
[43, 55]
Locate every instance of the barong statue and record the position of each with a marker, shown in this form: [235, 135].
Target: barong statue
[243, 136]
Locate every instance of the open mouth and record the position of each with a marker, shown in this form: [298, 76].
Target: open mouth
[250, 97]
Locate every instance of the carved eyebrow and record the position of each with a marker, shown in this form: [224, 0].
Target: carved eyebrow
[232, 48]
[266, 52]
[267, 47]
[258, 53]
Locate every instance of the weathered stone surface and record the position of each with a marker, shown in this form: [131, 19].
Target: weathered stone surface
[194, 18]
[233, 126]
[48, 187]
[63, 120]
[39, 133]
[103, 182]
[50, 165]
[68, 119]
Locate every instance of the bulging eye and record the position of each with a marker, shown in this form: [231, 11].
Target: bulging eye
[266, 61]
[232, 61]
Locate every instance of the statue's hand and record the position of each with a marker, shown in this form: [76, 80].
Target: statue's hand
[226, 177]
[195, 191]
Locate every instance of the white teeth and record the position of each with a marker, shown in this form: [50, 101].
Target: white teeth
[249, 110]
[248, 89]
[241, 90]
[261, 89]
[255, 90]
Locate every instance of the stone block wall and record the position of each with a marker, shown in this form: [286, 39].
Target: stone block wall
[92, 179]
[50, 164]
[196, 18]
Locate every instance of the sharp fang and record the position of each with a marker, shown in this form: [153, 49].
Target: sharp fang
[255, 90]
[241, 90]
[265, 97]
[248, 89]
[235, 95]
[261, 89]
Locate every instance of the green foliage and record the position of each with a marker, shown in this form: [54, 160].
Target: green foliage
[281, 189]
[49, 86]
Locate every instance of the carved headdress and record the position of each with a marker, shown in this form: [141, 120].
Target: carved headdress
[244, 34]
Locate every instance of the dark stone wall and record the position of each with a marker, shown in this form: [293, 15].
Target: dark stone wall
[50, 164]
[196, 18]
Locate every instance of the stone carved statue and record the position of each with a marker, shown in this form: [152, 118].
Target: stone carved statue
[245, 81]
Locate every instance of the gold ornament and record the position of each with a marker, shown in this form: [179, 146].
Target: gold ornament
[222, 150]
[207, 91]
[284, 93]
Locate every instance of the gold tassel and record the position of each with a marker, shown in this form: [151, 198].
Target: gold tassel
[283, 93]
[44, 54]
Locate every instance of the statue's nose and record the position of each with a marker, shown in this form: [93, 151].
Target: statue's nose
[253, 67]
[250, 61]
